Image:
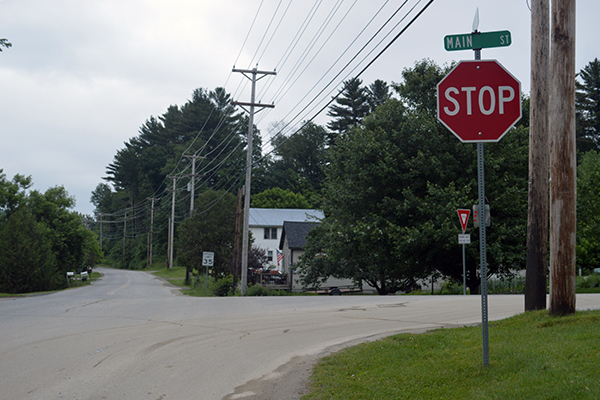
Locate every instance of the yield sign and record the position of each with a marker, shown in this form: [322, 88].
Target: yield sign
[463, 216]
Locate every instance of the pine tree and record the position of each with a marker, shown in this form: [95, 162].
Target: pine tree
[4, 43]
[349, 109]
[378, 93]
[587, 101]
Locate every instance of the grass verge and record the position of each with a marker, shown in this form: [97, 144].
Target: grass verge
[532, 356]
[176, 276]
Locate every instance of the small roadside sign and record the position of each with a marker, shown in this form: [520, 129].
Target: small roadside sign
[208, 258]
[464, 238]
[488, 218]
[477, 40]
[463, 217]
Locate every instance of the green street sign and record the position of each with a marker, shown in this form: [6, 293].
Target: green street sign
[478, 40]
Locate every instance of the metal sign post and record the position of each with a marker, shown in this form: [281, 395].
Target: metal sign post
[483, 248]
[463, 216]
[208, 260]
[471, 124]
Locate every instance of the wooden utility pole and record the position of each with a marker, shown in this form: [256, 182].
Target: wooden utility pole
[563, 163]
[253, 76]
[192, 180]
[172, 223]
[168, 241]
[238, 234]
[537, 212]
[100, 214]
[124, 232]
[151, 233]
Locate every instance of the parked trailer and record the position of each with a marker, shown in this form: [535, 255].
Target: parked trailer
[339, 290]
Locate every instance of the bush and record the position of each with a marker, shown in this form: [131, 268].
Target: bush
[224, 287]
[451, 288]
[588, 282]
[514, 285]
[258, 290]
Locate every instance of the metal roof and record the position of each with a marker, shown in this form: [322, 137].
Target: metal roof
[295, 232]
[276, 216]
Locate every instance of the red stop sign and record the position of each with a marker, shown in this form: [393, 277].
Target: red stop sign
[479, 101]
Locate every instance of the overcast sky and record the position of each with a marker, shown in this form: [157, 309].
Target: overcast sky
[84, 75]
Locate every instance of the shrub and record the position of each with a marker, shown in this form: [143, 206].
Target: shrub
[451, 288]
[514, 285]
[258, 290]
[588, 282]
[224, 287]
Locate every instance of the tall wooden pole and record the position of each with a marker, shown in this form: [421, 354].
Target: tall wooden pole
[253, 76]
[537, 213]
[172, 224]
[150, 244]
[238, 234]
[563, 164]
[124, 233]
[100, 231]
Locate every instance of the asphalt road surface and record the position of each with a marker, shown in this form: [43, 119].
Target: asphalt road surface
[132, 336]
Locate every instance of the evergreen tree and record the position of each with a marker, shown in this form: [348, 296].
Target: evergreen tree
[587, 101]
[208, 126]
[4, 43]
[378, 93]
[350, 108]
[588, 211]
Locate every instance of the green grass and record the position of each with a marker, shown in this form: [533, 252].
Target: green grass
[11, 295]
[532, 356]
[175, 272]
[176, 276]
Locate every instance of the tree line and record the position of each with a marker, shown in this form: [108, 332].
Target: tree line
[41, 238]
[387, 174]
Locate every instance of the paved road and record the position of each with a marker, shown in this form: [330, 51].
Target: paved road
[131, 336]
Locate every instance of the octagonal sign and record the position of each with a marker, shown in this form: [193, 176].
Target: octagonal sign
[479, 101]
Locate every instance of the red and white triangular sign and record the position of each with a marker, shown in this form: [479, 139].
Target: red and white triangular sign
[463, 216]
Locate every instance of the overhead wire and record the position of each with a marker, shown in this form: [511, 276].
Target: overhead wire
[215, 169]
[363, 69]
[347, 63]
[310, 46]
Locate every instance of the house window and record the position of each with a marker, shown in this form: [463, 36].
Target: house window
[270, 233]
[270, 256]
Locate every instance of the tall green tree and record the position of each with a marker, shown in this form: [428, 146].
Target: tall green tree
[418, 86]
[208, 126]
[12, 193]
[212, 230]
[392, 189]
[349, 109]
[40, 237]
[279, 198]
[298, 163]
[378, 93]
[588, 211]
[27, 263]
[587, 102]
[65, 228]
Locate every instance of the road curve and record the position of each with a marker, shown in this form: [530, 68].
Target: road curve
[132, 336]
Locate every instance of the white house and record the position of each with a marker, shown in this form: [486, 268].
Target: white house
[266, 225]
[291, 244]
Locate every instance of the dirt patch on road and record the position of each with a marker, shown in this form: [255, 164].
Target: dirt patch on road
[287, 382]
[291, 380]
